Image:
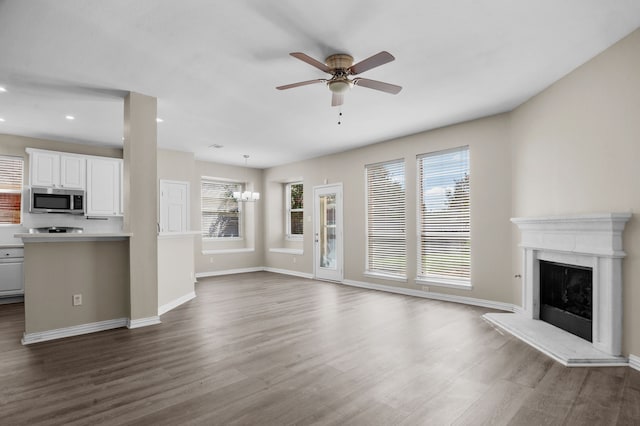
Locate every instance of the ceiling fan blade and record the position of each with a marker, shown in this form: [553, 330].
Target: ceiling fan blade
[308, 59]
[377, 85]
[371, 62]
[302, 83]
[337, 99]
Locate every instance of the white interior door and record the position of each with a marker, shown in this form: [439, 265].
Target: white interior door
[327, 247]
[174, 206]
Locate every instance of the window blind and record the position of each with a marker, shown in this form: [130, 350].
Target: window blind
[386, 218]
[445, 215]
[221, 215]
[10, 189]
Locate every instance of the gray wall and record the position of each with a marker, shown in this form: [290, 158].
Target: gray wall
[54, 272]
[576, 149]
[490, 198]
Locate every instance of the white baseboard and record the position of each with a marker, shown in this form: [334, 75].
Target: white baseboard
[229, 272]
[76, 330]
[175, 303]
[437, 296]
[634, 362]
[143, 322]
[289, 272]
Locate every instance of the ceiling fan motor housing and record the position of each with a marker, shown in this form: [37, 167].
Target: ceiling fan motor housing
[339, 61]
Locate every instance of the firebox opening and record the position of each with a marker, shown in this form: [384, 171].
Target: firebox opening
[566, 297]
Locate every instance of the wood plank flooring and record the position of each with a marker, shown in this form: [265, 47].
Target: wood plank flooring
[268, 349]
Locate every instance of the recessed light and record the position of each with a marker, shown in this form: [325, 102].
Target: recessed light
[216, 146]
[159, 120]
[1, 120]
[2, 89]
[69, 117]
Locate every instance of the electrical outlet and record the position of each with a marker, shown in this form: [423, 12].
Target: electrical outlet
[211, 259]
[77, 299]
[425, 288]
[294, 259]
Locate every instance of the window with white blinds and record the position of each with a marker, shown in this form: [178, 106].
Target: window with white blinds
[10, 189]
[444, 217]
[386, 219]
[221, 213]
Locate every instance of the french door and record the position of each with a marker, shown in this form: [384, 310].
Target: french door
[327, 248]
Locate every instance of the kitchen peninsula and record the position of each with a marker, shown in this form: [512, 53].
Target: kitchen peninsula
[74, 283]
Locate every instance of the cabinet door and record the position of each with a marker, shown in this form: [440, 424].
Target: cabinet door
[11, 278]
[103, 187]
[45, 169]
[72, 171]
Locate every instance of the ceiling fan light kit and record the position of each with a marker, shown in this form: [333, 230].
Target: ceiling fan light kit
[340, 66]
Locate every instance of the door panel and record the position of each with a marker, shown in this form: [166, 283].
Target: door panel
[174, 206]
[328, 232]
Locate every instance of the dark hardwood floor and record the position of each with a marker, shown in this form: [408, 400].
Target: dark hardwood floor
[262, 348]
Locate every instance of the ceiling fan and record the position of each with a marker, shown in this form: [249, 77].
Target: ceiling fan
[341, 66]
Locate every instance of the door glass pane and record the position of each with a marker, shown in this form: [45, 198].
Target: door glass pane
[327, 237]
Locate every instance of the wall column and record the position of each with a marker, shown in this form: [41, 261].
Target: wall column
[140, 206]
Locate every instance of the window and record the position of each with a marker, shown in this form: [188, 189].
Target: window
[10, 189]
[444, 217]
[221, 213]
[386, 219]
[295, 210]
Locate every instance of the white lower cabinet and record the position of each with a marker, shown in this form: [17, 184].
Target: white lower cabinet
[104, 187]
[11, 272]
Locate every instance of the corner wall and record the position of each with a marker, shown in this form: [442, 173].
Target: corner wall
[576, 149]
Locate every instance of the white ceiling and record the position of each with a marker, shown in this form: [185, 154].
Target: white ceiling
[214, 66]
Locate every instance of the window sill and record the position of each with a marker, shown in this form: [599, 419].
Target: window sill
[167, 235]
[219, 239]
[443, 282]
[229, 251]
[382, 276]
[287, 251]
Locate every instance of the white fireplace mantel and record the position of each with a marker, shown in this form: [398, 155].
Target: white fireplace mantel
[593, 240]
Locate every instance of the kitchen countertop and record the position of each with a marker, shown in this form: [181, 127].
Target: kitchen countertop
[6, 246]
[71, 237]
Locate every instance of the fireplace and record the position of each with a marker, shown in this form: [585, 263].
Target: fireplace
[566, 297]
[584, 254]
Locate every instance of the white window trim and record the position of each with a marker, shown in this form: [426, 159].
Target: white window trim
[241, 229]
[289, 210]
[461, 283]
[23, 194]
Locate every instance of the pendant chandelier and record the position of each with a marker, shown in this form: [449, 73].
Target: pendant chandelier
[246, 196]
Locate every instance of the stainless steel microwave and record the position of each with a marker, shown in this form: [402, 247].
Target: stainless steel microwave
[52, 200]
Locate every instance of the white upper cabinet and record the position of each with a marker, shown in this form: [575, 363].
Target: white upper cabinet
[72, 171]
[57, 170]
[104, 186]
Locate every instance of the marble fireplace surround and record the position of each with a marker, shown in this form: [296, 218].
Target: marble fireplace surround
[595, 241]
